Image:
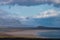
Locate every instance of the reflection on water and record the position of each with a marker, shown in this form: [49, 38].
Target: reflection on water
[50, 34]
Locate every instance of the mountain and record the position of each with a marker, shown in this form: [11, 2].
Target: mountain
[50, 28]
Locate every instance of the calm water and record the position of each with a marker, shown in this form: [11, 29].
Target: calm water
[50, 34]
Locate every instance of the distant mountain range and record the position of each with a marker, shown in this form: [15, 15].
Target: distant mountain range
[42, 27]
[35, 28]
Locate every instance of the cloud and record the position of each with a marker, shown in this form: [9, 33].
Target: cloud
[3, 14]
[6, 14]
[49, 18]
[48, 13]
[3, 2]
[9, 20]
[30, 2]
[6, 19]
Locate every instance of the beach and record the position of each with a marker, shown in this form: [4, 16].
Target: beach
[24, 33]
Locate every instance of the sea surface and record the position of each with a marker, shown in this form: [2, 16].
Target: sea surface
[50, 34]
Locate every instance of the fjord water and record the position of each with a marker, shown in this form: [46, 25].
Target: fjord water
[50, 34]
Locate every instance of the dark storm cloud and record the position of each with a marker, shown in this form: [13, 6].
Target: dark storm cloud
[30, 2]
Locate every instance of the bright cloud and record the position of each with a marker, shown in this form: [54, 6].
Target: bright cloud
[48, 13]
[30, 2]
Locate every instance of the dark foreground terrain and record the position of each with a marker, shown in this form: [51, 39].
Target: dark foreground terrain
[27, 39]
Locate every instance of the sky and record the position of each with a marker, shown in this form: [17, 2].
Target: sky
[27, 12]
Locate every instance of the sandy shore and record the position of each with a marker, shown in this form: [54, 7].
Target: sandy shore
[26, 33]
